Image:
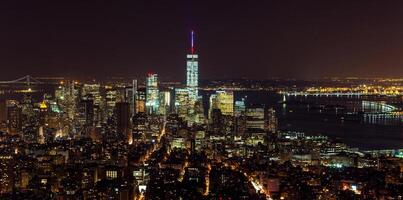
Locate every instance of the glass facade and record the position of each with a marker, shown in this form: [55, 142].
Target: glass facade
[152, 93]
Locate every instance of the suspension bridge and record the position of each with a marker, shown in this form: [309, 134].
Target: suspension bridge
[28, 80]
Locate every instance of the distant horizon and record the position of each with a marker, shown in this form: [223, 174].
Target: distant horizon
[166, 79]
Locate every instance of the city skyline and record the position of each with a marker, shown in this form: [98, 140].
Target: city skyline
[212, 100]
[292, 40]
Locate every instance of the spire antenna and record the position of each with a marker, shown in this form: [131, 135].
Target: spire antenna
[192, 41]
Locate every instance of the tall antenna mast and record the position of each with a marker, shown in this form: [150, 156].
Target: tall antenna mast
[192, 41]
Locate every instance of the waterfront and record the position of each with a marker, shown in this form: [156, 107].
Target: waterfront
[365, 131]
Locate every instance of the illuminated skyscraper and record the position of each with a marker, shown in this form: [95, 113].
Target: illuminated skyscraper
[141, 100]
[110, 101]
[240, 107]
[224, 101]
[165, 102]
[272, 121]
[182, 102]
[94, 91]
[14, 118]
[152, 93]
[255, 118]
[192, 71]
[133, 97]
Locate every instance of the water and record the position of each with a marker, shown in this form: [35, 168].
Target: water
[339, 118]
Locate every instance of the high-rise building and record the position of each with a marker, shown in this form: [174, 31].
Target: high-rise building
[165, 102]
[152, 93]
[240, 107]
[66, 97]
[3, 111]
[88, 111]
[182, 105]
[223, 100]
[133, 97]
[110, 101]
[27, 107]
[94, 91]
[192, 72]
[123, 119]
[141, 100]
[216, 120]
[43, 113]
[255, 118]
[130, 96]
[14, 118]
[272, 122]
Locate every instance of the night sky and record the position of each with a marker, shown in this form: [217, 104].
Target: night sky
[254, 39]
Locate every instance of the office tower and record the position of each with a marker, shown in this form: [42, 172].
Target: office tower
[110, 101]
[133, 97]
[216, 120]
[94, 91]
[27, 107]
[3, 111]
[43, 113]
[66, 97]
[199, 116]
[152, 93]
[130, 96]
[123, 119]
[240, 107]
[141, 100]
[255, 118]
[88, 110]
[165, 102]
[224, 101]
[140, 124]
[60, 93]
[43, 118]
[14, 117]
[272, 122]
[192, 71]
[182, 103]
[240, 125]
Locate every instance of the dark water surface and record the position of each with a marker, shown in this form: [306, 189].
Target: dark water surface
[348, 124]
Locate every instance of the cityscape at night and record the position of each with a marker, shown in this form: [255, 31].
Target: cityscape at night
[201, 100]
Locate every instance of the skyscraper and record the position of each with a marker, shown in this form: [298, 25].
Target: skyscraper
[14, 118]
[133, 97]
[255, 117]
[141, 100]
[182, 102]
[165, 102]
[192, 71]
[239, 107]
[152, 93]
[123, 119]
[223, 100]
[272, 121]
[3, 111]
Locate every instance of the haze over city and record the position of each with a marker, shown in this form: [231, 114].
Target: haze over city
[253, 39]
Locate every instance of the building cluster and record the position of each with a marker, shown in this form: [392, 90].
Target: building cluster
[129, 140]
